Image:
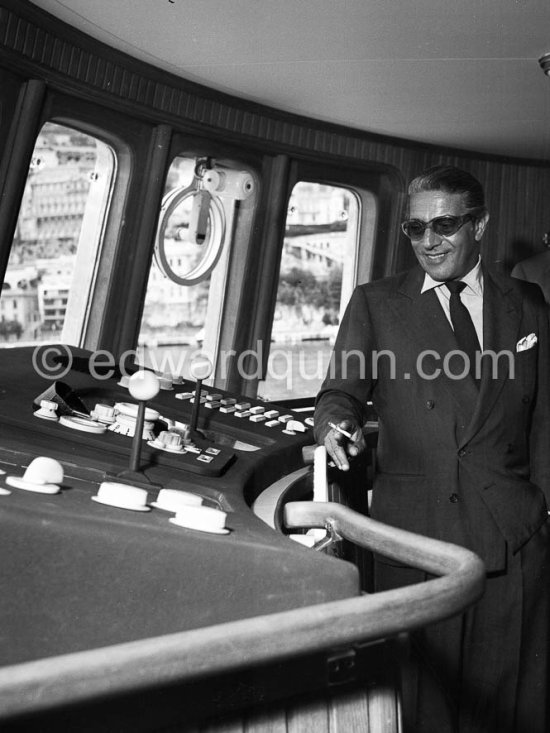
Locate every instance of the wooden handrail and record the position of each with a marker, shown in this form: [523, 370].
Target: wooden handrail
[462, 573]
[178, 658]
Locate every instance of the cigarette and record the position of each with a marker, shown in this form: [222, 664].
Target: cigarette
[340, 430]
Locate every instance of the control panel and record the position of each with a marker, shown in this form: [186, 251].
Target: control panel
[184, 424]
[125, 508]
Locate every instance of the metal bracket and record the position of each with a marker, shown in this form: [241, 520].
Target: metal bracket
[331, 538]
[342, 667]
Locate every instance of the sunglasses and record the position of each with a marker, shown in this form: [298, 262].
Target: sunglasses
[443, 226]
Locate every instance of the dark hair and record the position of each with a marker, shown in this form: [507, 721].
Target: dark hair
[449, 179]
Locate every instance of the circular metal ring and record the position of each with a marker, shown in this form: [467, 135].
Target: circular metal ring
[212, 247]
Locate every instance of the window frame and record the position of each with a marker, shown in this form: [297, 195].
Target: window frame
[376, 186]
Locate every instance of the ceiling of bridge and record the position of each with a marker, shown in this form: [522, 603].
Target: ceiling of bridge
[461, 73]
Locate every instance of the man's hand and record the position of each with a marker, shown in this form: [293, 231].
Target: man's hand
[339, 446]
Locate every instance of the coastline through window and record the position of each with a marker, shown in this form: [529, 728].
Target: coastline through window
[54, 254]
[316, 278]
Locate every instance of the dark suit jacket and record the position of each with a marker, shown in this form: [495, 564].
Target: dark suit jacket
[536, 269]
[452, 463]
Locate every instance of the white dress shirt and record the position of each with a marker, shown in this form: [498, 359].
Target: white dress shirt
[471, 296]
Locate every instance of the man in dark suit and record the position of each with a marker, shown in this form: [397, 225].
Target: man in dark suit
[463, 452]
[536, 269]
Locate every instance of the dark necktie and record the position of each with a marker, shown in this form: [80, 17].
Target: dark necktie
[463, 326]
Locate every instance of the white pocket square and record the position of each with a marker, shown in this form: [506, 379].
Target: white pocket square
[527, 342]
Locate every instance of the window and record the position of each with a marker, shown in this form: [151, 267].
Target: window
[54, 253]
[316, 279]
[185, 292]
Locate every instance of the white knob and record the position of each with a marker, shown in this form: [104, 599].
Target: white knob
[174, 500]
[201, 367]
[122, 496]
[143, 385]
[43, 475]
[165, 380]
[44, 470]
[48, 410]
[202, 518]
[103, 413]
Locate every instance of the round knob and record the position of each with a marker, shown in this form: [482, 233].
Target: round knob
[122, 496]
[172, 440]
[202, 518]
[143, 385]
[103, 413]
[43, 475]
[44, 470]
[201, 367]
[174, 500]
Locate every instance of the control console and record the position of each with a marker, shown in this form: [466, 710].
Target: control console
[125, 509]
